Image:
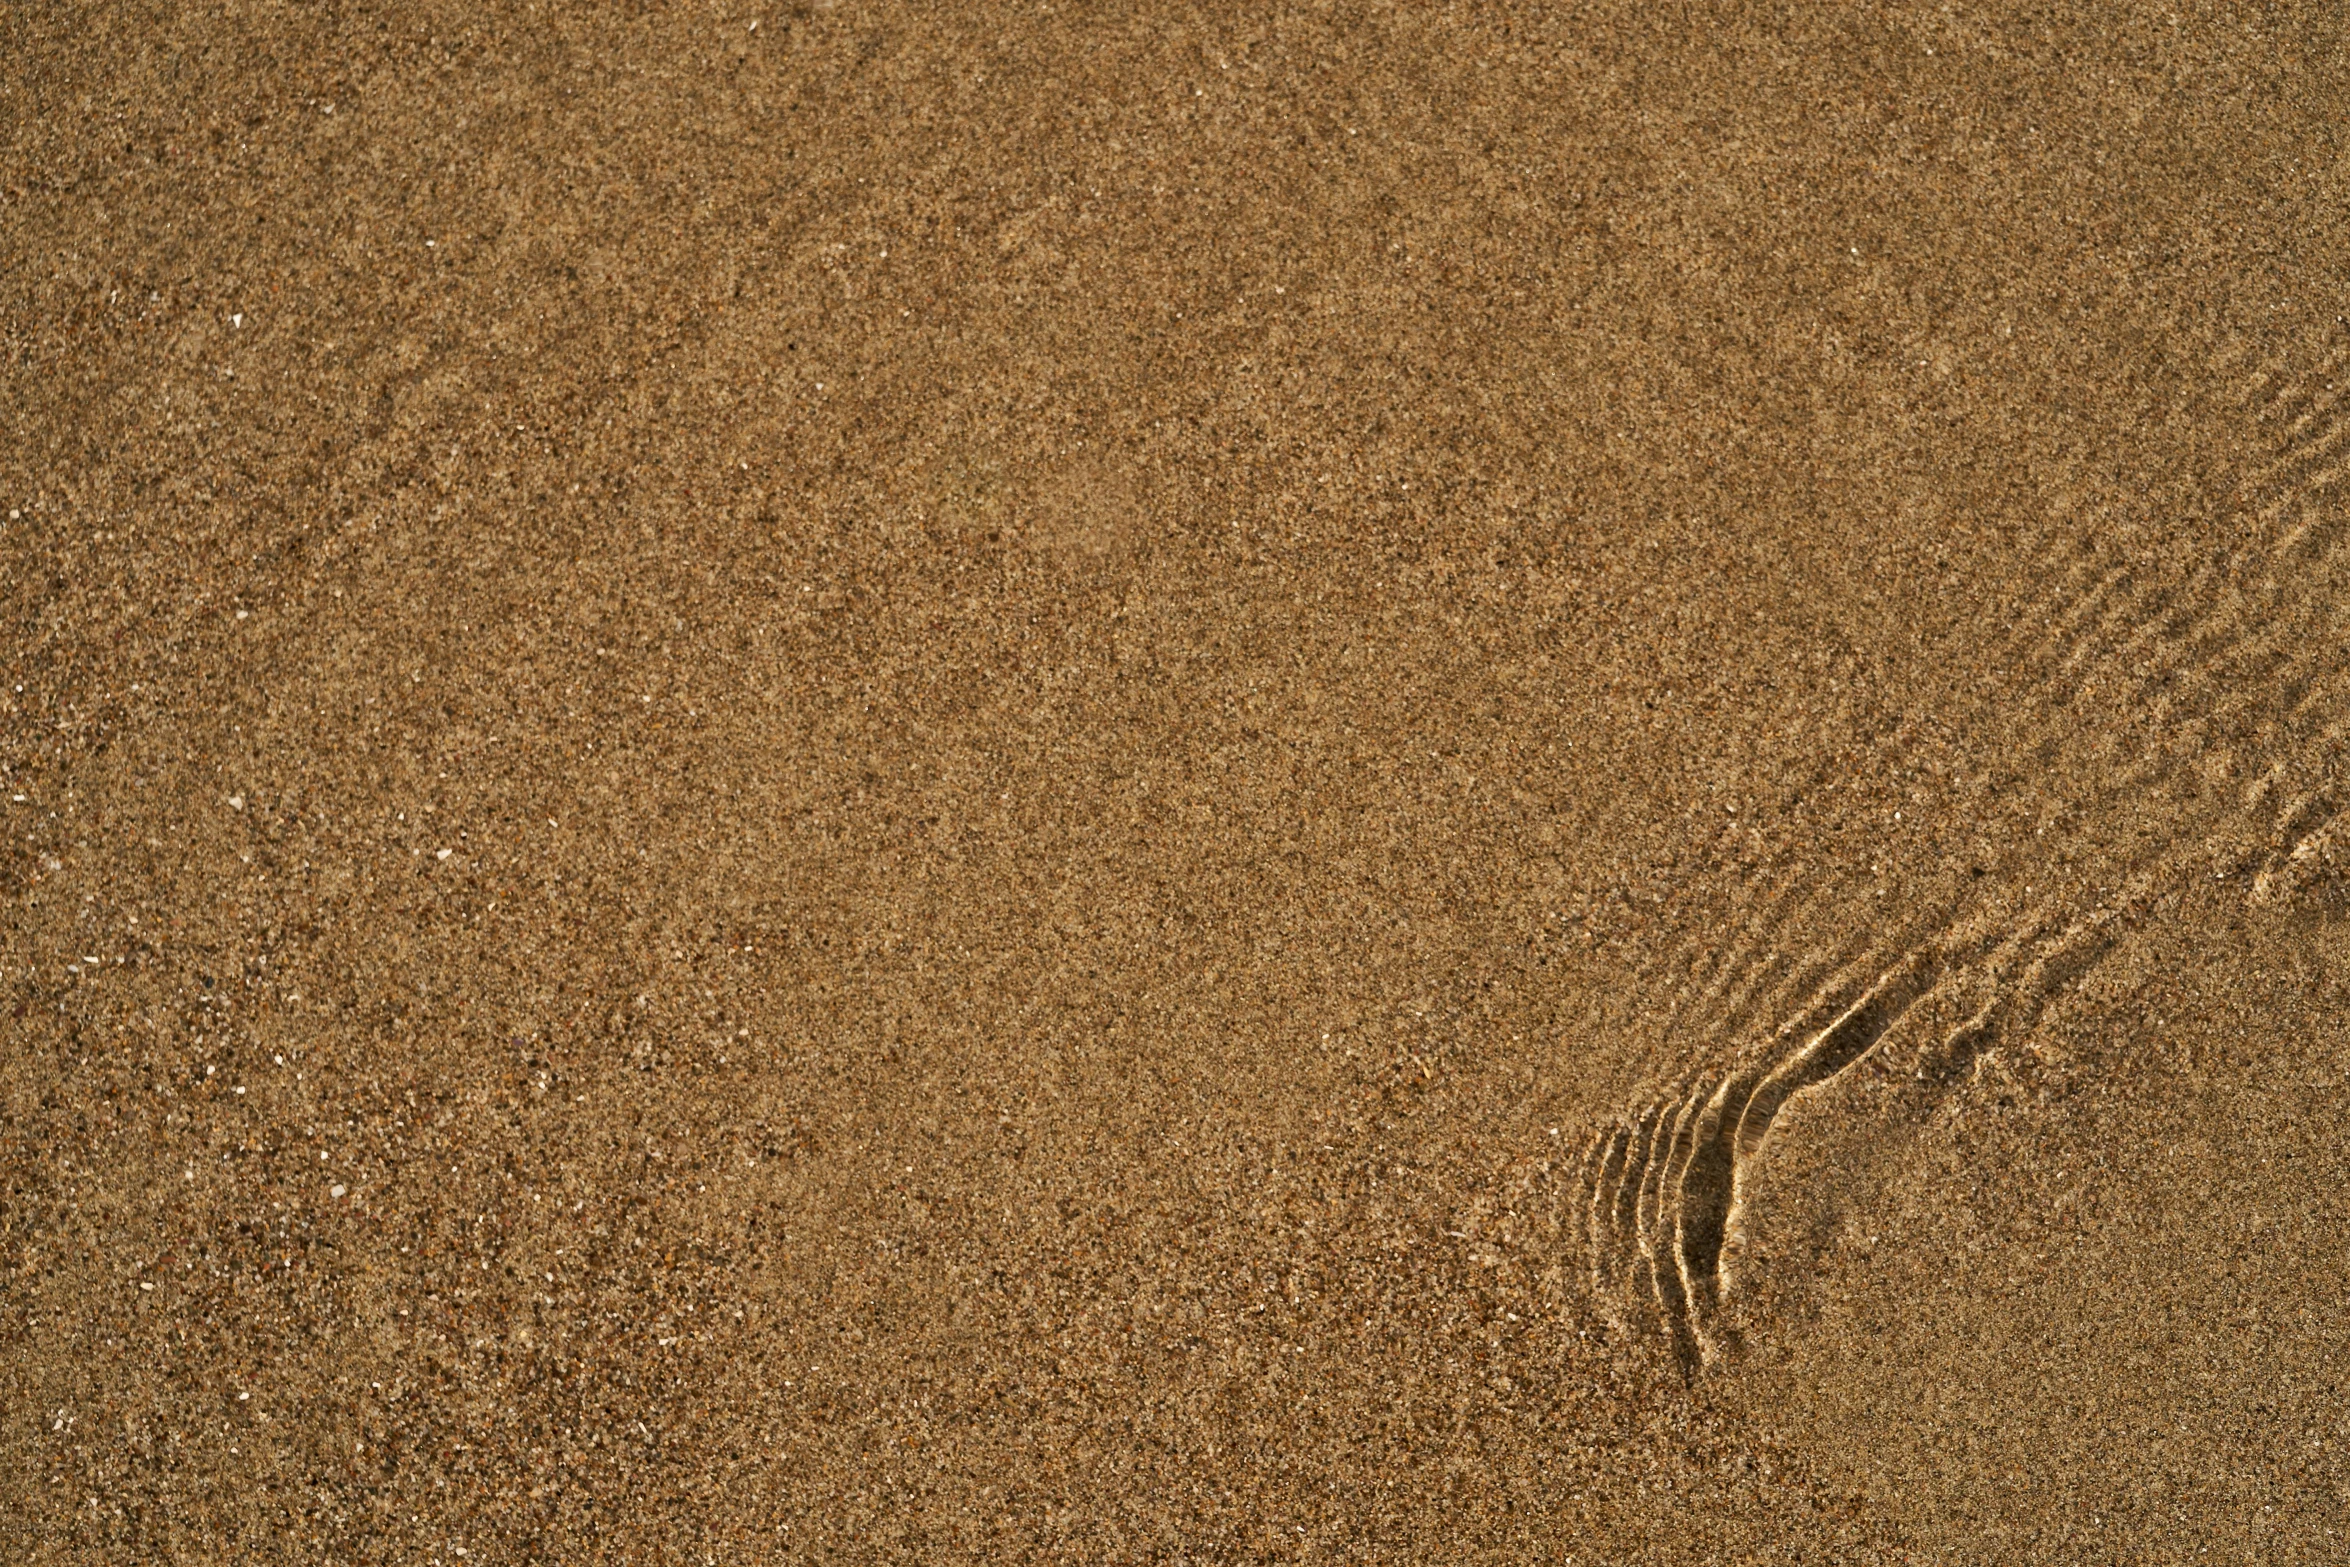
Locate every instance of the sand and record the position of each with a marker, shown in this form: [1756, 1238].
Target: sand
[1433, 783]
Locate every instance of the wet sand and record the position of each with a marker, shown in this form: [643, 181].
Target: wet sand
[1074, 784]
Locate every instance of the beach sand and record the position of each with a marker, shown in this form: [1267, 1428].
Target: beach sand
[1416, 783]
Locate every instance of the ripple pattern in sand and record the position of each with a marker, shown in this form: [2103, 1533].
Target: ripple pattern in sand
[2222, 696]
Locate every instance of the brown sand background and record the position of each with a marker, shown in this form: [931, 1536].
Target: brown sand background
[918, 784]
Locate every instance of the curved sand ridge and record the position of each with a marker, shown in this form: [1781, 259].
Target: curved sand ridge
[2231, 700]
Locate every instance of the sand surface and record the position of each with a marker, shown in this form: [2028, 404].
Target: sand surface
[1354, 783]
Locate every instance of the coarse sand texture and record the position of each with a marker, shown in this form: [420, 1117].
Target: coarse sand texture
[1358, 783]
